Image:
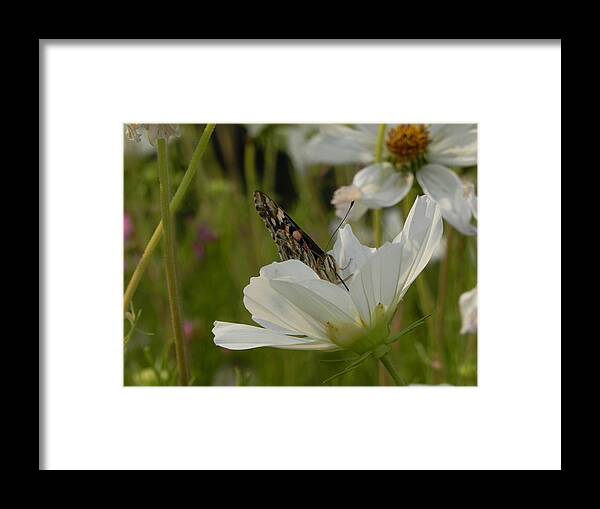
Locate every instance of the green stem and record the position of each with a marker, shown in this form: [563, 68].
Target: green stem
[385, 360]
[377, 220]
[377, 214]
[169, 258]
[175, 204]
[379, 143]
[440, 312]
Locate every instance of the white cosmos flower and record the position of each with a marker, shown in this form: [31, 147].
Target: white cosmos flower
[467, 304]
[434, 147]
[297, 310]
[375, 187]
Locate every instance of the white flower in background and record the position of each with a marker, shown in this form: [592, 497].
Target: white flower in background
[467, 304]
[292, 138]
[470, 196]
[295, 140]
[427, 150]
[297, 310]
[153, 131]
[374, 187]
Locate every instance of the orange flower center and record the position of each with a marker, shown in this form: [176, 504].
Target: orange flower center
[408, 142]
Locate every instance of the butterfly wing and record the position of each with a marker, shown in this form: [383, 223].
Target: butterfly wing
[292, 242]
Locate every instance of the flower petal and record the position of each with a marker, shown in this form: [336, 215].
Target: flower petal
[444, 186]
[385, 276]
[236, 336]
[469, 190]
[381, 185]
[294, 270]
[349, 253]
[337, 144]
[376, 281]
[358, 210]
[453, 144]
[325, 302]
[275, 311]
[296, 146]
[419, 240]
[467, 304]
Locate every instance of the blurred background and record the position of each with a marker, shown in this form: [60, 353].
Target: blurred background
[222, 243]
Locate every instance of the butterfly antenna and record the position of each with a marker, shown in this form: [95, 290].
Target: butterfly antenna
[339, 226]
[342, 281]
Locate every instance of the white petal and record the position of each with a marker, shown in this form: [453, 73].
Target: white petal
[376, 281]
[419, 239]
[327, 303]
[473, 204]
[349, 253]
[294, 270]
[469, 190]
[272, 309]
[338, 144]
[385, 276]
[358, 210]
[235, 336]
[381, 185]
[467, 303]
[453, 144]
[344, 196]
[444, 186]
[296, 145]
[370, 129]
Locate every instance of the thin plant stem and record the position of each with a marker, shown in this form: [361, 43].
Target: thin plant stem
[169, 259]
[440, 312]
[175, 204]
[379, 143]
[385, 360]
[377, 220]
[377, 223]
[377, 213]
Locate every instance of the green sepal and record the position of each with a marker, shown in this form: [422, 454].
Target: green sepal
[405, 331]
[352, 366]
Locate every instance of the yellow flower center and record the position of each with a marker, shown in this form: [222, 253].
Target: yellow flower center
[408, 142]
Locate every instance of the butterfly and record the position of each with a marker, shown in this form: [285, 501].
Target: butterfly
[293, 243]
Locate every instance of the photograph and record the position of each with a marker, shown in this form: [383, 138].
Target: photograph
[279, 254]
[300, 254]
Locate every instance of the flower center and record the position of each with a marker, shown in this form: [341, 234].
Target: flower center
[408, 142]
